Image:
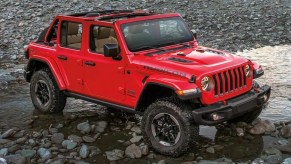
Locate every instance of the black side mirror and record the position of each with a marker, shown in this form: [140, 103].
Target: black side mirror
[111, 50]
[194, 33]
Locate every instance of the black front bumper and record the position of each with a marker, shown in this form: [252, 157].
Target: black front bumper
[232, 108]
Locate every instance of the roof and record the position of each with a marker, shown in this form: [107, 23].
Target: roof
[112, 15]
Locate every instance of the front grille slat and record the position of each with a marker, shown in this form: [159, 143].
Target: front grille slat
[228, 81]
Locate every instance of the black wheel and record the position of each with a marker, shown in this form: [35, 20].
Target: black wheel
[45, 94]
[167, 127]
[248, 117]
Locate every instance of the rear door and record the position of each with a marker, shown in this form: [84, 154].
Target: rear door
[104, 76]
[70, 53]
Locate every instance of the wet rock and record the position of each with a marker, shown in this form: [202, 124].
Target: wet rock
[8, 133]
[57, 138]
[272, 156]
[136, 139]
[44, 153]
[284, 148]
[4, 141]
[101, 126]
[69, 144]
[114, 155]
[94, 151]
[3, 152]
[28, 153]
[32, 142]
[133, 151]
[14, 148]
[263, 126]
[161, 162]
[19, 134]
[88, 139]
[258, 161]
[59, 161]
[286, 131]
[210, 150]
[17, 159]
[287, 161]
[144, 149]
[3, 161]
[84, 151]
[21, 140]
[240, 132]
[84, 127]
[136, 129]
[75, 138]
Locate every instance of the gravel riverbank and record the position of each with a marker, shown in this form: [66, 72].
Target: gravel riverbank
[225, 24]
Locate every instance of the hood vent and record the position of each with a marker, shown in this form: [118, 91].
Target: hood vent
[214, 52]
[179, 60]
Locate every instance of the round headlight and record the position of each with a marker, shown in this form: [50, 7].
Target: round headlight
[206, 83]
[248, 71]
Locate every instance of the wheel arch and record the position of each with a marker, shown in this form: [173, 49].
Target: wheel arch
[151, 92]
[35, 64]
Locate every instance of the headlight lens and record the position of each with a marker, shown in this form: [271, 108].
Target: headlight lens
[206, 83]
[248, 71]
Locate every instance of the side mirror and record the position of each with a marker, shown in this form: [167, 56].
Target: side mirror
[111, 50]
[194, 33]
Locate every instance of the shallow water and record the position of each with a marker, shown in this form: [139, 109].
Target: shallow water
[17, 110]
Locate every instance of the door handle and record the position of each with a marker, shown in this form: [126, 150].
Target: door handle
[90, 63]
[63, 57]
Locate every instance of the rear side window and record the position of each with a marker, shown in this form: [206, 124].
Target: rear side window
[71, 35]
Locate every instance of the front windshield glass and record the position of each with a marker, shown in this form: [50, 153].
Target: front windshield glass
[155, 33]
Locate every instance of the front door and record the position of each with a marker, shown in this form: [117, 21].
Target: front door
[70, 54]
[104, 77]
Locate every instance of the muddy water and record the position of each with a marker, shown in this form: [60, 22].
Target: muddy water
[17, 110]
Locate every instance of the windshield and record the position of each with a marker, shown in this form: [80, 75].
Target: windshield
[155, 33]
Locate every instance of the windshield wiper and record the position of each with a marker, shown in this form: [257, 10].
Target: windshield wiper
[174, 42]
[146, 48]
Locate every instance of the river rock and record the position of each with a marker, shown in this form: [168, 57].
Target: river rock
[69, 144]
[136, 129]
[263, 126]
[94, 151]
[101, 126]
[287, 161]
[3, 152]
[3, 161]
[8, 133]
[210, 150]
[84, 127]
[15, 159]
[133, 151]
[28, 153]
[14, 148]
[286, 131]
[75, 138]
[4, 141]
[21, 140]
[272, 156]
[114, 155]
[57, 138]
[240, 132]
[161, 162]
[136, 139]
[19, 134]
[88, 139]
[84, 151]
[44, 153]
[284, 148]
[144, 149]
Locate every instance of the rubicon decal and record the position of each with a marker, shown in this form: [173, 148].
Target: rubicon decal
[165, 70]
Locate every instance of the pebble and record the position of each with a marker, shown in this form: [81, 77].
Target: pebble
[101, 126]
[263, 126]
[114, 155]
[88, 139]
[136, 139]
[69, 144]
[144, 149]
[286, 131]
[136, 129]
[3, 152]
[133, 151]
[84, 127]
[210, 150]
[28, 153]
[16, 158]
[8, 133]
[44, 153]
[84, 151]
[58, 138]
[75, 138]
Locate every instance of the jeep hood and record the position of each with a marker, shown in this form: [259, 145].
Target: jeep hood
[191, 61]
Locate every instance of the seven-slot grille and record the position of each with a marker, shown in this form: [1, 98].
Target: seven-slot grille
[229, 80]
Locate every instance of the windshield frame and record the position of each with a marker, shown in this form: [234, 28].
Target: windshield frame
[157, 46]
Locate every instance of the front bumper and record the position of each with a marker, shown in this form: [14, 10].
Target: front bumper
[232, 108]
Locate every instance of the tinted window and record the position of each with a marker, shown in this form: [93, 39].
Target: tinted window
[71, 35]
[155, 33]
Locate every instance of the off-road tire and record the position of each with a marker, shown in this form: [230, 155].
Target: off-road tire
[189, 131]
[57, 99]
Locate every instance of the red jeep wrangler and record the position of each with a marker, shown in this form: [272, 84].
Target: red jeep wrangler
[143, 62]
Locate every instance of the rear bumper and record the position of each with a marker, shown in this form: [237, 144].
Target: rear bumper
[232, 108]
